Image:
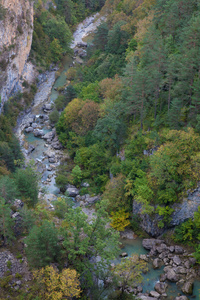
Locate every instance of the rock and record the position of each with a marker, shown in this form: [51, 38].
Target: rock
[81, 45]
[177, 260]
[82, 203]
[154, 294]
[178, 250]
[171, 248]
[47, 106]
[31, 148]
[52, 159]
[181, 270]
[56, 145]
[38, 133]
[187, 264]
[192, 261]
[18, 204]
[127, 234]
[157, 263]
[143, 297]
[139, 289]
[49, 135]
[166, 261]
[52, 166]
[124, 254]
[18, 282]
[85, 184]
[180, 283]
[149, 243]
[162, 248]
[92, 200]
[16, 215]
[161, 287]
[29, 129]
[34, 125]
[187, 288]
[72, 192]
[181, 298]
[163, 277]
[171, 275]
[144, 257]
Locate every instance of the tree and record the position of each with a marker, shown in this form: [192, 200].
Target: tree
[6, 222]
[101, 36]
[110, 130]
[129, 272]
[56, 50]
[77, 175]
[27, 184]
[119, 220]
[89, 245]
[53, 285]
[117, 39]
[114, 194]
[56, 28]
[8, 189]
[42, 245]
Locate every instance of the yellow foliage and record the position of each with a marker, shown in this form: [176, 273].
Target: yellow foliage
[53, 285]
[120, 220]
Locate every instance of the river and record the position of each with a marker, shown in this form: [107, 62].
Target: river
[43, 152]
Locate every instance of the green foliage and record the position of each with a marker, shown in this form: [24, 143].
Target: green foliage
[7, 189]
[84, 241]
[6, 222]
[129, 272]
[3, 12]
[54, 116]
[42, 245]
[61, 182]
[62, 205]
[27, 184]
[77, 175]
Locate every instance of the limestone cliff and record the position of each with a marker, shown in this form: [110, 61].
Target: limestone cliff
[16, 30]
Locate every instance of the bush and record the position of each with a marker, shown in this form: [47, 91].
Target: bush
[54, 116]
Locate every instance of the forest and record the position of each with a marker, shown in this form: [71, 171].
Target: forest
[130, 121]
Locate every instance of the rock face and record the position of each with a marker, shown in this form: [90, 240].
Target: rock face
[182, 212]
[16, 29]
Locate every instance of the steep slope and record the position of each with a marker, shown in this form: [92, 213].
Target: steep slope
[16, 29]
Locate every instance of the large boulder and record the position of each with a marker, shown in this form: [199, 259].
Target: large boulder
[150, 243]
[29, 129]
[49, 135]
[47, 106]
[178, 249]
[188, 288]
[38, 133]
[161, 287]
[157, 263]
[72, 191]
[171, 274]
[177, 260]
[91, 200]
[154, 294]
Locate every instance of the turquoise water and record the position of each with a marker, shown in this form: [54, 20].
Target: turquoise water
[152, 276]
[61, 80]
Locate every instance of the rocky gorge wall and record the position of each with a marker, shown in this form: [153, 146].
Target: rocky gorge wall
[16, 31]
[182, 211]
